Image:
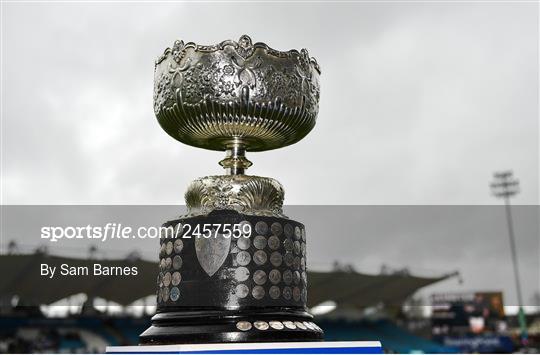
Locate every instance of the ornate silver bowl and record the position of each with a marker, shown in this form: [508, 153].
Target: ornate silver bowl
[236, 94]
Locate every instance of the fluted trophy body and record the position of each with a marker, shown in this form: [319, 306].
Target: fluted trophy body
[233, 268]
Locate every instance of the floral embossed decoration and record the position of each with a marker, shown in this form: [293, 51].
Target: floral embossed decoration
[178, 51]
[211, 79]
[163, 91]
[223, 73]
[245, 47]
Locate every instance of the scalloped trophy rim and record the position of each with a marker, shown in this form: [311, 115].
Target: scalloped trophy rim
[229, 42]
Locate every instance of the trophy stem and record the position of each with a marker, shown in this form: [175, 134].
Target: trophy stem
[235, 162]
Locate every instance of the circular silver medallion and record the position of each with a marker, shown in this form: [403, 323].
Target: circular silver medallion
[169, 248]
[167, 279]
[277, 325]
[287, 292]
[273, 242]
[274, 276]
[241, 274]
[177, 262]
[300, 325]
[259, 277]
[165, 294]
[261, 228]
[297, 233]
[296, 263]
[289, 230]
[290, 325]
[243, 258]
[241, 291]
[175, 294]
[243, 243]
[261, 325]
[297, 250]
[288, 243]
[178, 245]
[259, 242]
[287, 277]
[258, 292]
[289, 259]
[276, 229]
[260, 257]
[276, 259]
[168, 263]
[162, 249]
[243, 326]
[296, 277]
[308, 324]
[296, 294]
[176, 278]
[244, 229]
[274, 292]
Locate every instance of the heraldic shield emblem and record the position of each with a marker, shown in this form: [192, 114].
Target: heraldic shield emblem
[212, 252]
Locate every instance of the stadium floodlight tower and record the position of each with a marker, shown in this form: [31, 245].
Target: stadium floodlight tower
[506, 186]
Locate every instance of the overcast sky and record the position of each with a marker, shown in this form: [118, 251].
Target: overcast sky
[420, 103]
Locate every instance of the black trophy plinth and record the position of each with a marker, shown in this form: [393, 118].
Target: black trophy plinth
[232, 289]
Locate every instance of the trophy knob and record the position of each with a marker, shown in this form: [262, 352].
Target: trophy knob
[236, 96]
[253, 195]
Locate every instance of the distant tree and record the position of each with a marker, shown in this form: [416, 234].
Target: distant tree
[385, 270]
[133, 256]
[13, 247]
[92, 251]
[42, 249]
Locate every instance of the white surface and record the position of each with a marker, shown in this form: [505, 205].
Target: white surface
[243, 346]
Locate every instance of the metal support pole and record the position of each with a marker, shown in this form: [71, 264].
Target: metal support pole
[505, 187]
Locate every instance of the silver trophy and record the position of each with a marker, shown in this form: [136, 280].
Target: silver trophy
[235, 96]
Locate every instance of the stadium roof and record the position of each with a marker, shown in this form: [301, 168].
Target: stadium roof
[21, 276]
[356, 290]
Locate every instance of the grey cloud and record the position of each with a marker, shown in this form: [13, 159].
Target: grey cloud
[420, 102]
